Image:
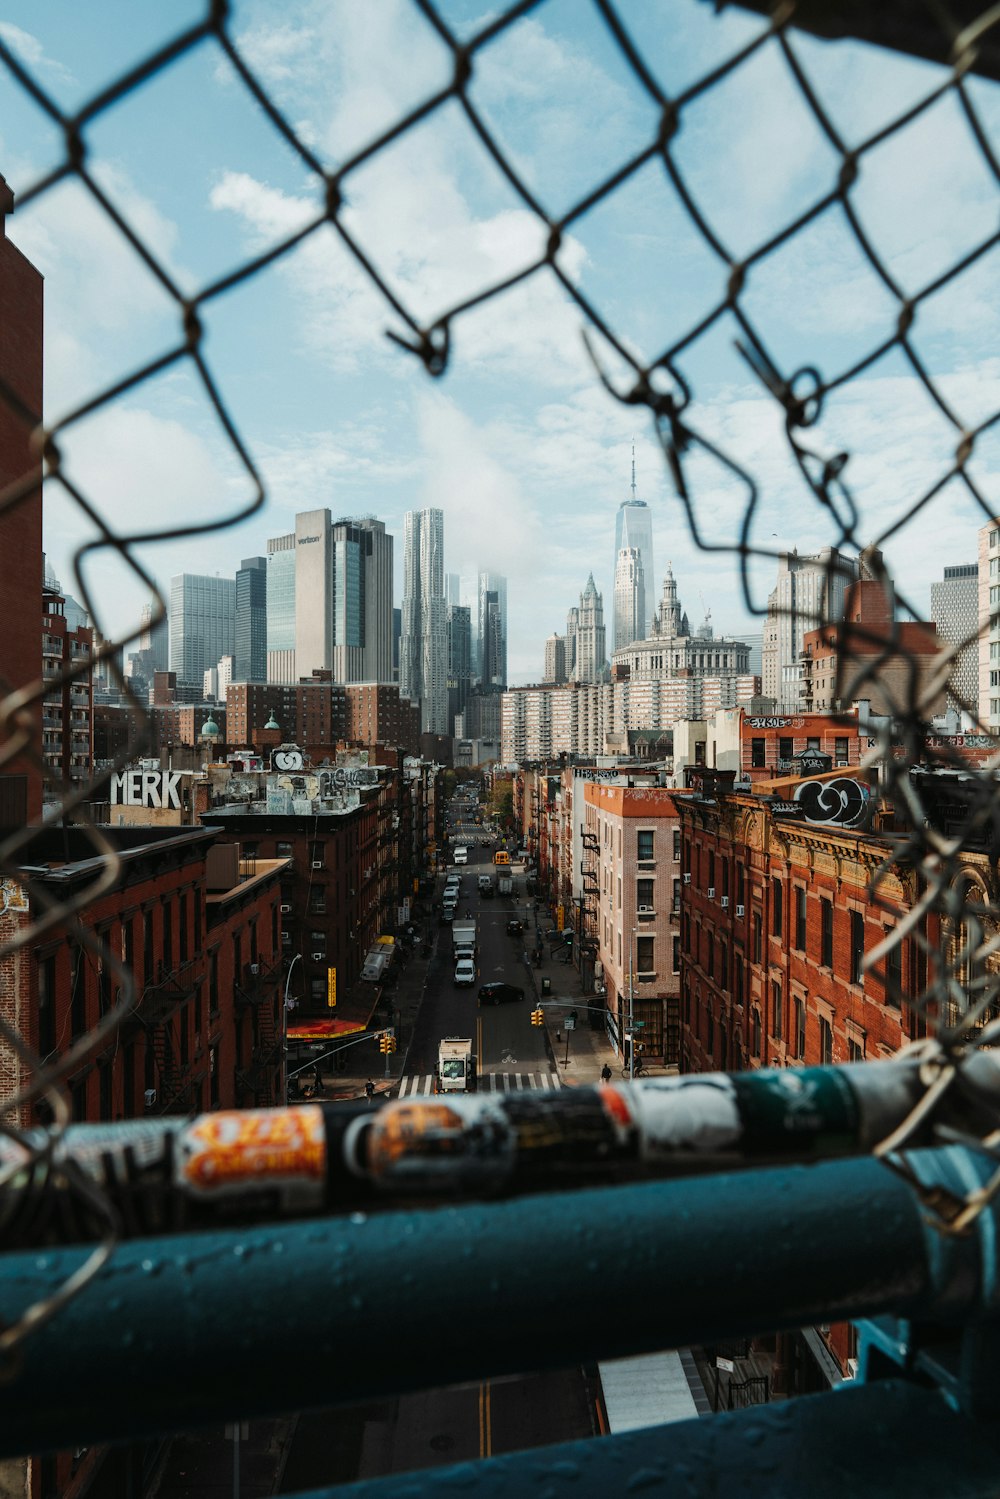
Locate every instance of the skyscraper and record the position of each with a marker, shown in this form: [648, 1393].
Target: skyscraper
[423, 643]
[555, 660]
[155, 638]
[452, 589]
[313, 592]
[955, 611]
[459, 659]
[281, 609]
[362, 601]
[630, 598]
[202, 625]
[492, 638]
[250, 661]
[590, 642]
[634, 528]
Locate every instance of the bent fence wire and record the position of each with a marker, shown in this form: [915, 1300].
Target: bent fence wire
[961, 988]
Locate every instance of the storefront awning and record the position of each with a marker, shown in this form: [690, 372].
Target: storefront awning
[325, 1030]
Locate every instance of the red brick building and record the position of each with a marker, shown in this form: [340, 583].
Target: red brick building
[199, 933]
[68, 704]
[311, 714]
[21, 318]
[376, 712]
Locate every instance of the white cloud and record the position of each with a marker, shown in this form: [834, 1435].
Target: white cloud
[30, 50]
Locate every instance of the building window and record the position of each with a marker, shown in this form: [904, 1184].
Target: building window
[840, 750]
[855, 1049]
[799, 1049]
[740, 885]
[723, 966]
[786, 748]
[147, 947]
[777, 1007]
[777, 907]
[317, 900]
[756, 937]
[711, 957]
[825, 1042]
[758, 749]
[644, 844]
[800, 918]
[711, 870]
[644, 893]
[893, 972]
[826, 933]
[168, 934]
[317, 943]
[857, 945]
[78, 992]
[644, 955]
[213, 982]
[677, 955]
[284, 850]
[677, 896]
[46, 1006]
[755, 1033]
[709, 1032]
[677, 845]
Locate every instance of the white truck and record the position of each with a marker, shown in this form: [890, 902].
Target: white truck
[463, 937]
[505, 882]
[456, 1066]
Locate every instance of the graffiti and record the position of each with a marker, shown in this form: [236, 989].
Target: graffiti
[776, 723]
[841, 802]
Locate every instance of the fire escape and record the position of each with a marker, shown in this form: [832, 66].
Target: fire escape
[178, 1076]
[588, 902]
[259, 1082]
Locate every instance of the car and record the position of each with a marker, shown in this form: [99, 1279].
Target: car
[465, 973]
[447, 916]
[514, 927]
[500, 994]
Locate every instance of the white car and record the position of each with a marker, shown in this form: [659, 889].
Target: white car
[465, 973]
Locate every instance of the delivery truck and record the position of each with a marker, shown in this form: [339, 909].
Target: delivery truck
[456, 1066]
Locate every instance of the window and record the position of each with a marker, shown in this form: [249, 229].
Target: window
[756, 937]
[317, 900]
[893, 972]
[709, 1032]
[799, 1039]
[284, 850]
[825, 1042]
[857, 945]
[711, 869]
[777, 907]
[786, 747]
[644, 892]
[644, 844]
[182, 925]
[740, 885]
[800, 918]
[738, 980]
[317, 942]
[644, 955]
[46, 1005]
[677, 955]
[677, 845]
[755, 1033]
[213, 982]
[711, 957]
[855, 1049]
[758, 749]
[168, 934]
[723, 965]
[826, 933]
[78, 992]
[316, 853]
[317, 990]
[777, 1008]
[840, 750]
[677, 896]
[147, 947]
[812, 744]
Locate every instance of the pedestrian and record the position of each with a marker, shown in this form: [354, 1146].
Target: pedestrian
[370, 1090]
[605, 1073]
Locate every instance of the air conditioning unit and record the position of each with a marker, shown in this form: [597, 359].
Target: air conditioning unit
[740, 910]
[724, 902]
[710, 892]
[285, 908]
[318, 957]
[255, 969]
[687, 879]
[645, 910]
[317, 864]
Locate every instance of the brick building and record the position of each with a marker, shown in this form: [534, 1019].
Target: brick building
[632, 869]
[68, 703]
[869, 655]
[21, 317]
[312, 714]
[376, 712]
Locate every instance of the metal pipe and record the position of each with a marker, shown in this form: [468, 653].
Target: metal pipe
[180, 1332]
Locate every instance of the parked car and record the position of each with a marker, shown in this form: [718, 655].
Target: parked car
[500, 994]
[514, 927]
[447, 916]
[465, 973]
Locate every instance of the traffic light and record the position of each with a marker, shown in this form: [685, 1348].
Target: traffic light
[538, 1017]
[383, 1043]
[392, 1043]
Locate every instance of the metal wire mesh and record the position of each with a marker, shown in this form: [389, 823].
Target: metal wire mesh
[961, 986]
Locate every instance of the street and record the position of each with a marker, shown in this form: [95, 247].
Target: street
[454, 1424]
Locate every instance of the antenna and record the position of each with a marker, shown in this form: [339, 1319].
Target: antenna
[633, 470]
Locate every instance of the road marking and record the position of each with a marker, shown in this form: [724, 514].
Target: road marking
[485, 1420]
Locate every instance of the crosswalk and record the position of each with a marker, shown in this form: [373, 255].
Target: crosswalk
[489, 1082]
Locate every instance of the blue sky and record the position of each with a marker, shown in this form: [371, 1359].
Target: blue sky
[518, 442]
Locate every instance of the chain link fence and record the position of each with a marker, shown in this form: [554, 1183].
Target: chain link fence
[960, 1001]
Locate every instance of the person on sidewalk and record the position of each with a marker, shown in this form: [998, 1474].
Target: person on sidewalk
[369, 1090]
[605, 1074]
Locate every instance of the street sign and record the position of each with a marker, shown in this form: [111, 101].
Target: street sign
[569, 1023]
[637, 1025]
[331, 988]
[726, 1364]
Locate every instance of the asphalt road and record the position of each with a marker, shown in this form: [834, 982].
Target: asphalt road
[439, 1427]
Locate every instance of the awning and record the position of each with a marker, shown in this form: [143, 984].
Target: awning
[325, 1030]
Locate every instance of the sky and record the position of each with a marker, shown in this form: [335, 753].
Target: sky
[519, 442]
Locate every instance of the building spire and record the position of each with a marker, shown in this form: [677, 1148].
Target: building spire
[633, 469]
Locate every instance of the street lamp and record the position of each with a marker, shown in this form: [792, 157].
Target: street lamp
[289, 1002]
